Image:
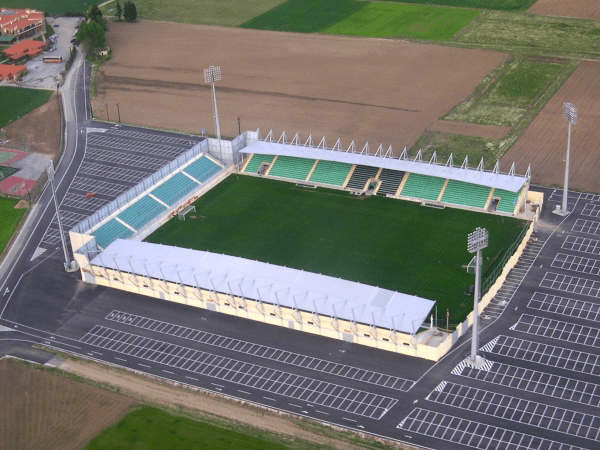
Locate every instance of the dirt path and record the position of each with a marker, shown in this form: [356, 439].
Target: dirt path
[583, 9]
[151, 391]
[376, 90]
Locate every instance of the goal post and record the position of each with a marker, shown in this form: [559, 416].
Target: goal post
[181, 214]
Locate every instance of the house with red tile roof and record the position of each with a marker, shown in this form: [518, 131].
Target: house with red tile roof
[21, 22]
[27, 47]
[11, 73]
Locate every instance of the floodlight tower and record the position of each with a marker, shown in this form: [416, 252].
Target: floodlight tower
[70, 266]
[570, 114]
[477, 241]
[211, 75]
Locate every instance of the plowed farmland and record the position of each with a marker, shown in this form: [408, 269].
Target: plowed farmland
[544, 142]
[381, 91]
[44, 410]
[582, 9]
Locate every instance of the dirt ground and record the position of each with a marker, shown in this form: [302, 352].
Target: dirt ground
[154, 392]
[493, 132]
[41, 129]
[544, 142]
[376, 90]
[43, 410]
[583, 9]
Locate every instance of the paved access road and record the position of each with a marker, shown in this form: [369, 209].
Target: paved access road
[540, 388]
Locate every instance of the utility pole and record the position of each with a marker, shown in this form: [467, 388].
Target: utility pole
[106, 106]
[239, 126]
[119, 112]
[477, 241]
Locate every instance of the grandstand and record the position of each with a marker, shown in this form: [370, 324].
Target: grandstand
[330, 172]
[360, 176]
[291, 167]
[423, 186]
[466, 194]
[390, 181]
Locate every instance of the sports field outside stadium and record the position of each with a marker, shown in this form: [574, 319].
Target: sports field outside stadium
[379, 241]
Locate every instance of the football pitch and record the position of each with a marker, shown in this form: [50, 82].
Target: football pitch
[379, 241]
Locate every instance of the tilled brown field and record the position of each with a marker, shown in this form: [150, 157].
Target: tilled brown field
[583, 9]
[46, 411]
[381, 91]
[544, 142]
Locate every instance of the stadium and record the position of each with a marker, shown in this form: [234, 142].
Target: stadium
[361, 246]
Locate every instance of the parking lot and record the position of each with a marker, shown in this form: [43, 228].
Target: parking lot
[116, 159]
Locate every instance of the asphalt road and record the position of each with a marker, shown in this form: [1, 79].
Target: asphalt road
[539, 389]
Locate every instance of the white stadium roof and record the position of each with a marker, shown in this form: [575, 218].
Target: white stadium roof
[269, 283]
[471, 175]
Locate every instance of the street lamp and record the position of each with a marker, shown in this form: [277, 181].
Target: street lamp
[119, 112]
[69, 266]
[477, 241]
[107, 118]
[211, 75]
[570, 114]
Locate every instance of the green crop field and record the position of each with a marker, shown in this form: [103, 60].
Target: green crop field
[151, 428]
[9, 219]
[510, 5]
[379, 241]
[53, 7]
[15, 102]
[359, 18]
[412, 21]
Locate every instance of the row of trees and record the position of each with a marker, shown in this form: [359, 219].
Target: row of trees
[92, 32]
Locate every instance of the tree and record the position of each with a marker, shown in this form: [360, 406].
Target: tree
[119, 11]
[94, 13]
[91, 35]
[130, 12]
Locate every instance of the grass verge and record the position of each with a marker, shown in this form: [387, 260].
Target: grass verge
[51, 7]
[372, 240]
[20, 101]
[9, 220]
[96, 61]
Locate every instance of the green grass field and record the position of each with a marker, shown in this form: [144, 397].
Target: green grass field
[359, 18]
[51, 7]
[150, 428]
[9, 220]
[510, 5]
[386, 20]
[15, 102]
[384, 242]
[229, 13]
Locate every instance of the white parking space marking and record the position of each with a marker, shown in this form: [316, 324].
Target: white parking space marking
[262, 351]
[591, 210]
[581, 244]
[586, 227]
[534, 381]
[169, 151]
[565, 306]
[574, 285]
[561, 420]
[557, 329]
[576, 264]
[112, 188]
[100, 170]
[151, 137]
[286, 384]
[472, 434]
[549, 355]
[125, 159]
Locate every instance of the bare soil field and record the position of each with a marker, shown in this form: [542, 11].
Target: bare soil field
[544, 142]
[494, 132]
[43, 410]
[41, 129]
[582, 9]
[381, 91]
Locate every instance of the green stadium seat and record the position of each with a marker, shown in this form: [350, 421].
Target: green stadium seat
[360, 176]
[508, 200]
[111, 231]
[330, 172]
[141, 212]
[291, 167]
[423, 186]
[202, 169]
[174, 189]
[256, 161]
[466, 194]
[390, 181]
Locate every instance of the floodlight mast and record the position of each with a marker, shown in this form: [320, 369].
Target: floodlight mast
[477, 241]
[570, 114]
[69, 266]
[211, 75]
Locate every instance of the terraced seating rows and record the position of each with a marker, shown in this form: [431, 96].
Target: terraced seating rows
[202, 169]
[360, 176]
[174, 188]
[141, 212]
[291, 167]
[508, 200]
[111, 231]
[330, 172]
[256, 161]
[423, 186]
[390, 181]
[466, 194]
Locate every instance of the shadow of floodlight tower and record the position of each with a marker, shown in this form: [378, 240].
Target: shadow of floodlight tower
[211, 75]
